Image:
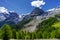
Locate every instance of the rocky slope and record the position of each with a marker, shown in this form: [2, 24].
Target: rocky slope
[11, 18]
[32, 25]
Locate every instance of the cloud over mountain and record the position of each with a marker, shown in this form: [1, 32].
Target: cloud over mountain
[37, 3]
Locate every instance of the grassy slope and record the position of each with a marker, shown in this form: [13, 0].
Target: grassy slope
[56, 24]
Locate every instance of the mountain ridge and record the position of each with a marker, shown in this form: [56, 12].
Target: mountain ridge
[32, 25]
[37, 16]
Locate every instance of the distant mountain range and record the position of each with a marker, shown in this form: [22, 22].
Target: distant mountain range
[10, 18]
[37, 15]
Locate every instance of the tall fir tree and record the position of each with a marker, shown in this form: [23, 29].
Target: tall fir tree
[7, 32]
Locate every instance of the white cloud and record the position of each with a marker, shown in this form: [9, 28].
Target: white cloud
[37, 3]
[51, 9]
[3, 10]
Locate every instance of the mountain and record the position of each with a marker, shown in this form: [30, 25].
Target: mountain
[35, 15]
[30, 21]
[11, 18]
[53, 12]
[39, 16]
[37, 11]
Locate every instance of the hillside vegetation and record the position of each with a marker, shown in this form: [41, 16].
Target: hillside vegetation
[49, 28]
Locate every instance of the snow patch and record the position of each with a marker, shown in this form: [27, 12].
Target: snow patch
[3, 10]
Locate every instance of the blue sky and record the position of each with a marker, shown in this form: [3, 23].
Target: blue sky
[24, 6]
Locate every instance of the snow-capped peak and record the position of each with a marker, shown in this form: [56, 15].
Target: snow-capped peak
[3, 10]
[11, 11]
[20, 16]
[51, 9]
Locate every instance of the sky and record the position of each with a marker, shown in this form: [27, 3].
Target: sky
[24, 6]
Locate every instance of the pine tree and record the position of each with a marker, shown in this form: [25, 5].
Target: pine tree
[7, 32]
[1, 34]
[14, 34]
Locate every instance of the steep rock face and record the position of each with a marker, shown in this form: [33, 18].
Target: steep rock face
[36, 12]
[39, 17]
[11, 18]
[36, 15]
[53, 12]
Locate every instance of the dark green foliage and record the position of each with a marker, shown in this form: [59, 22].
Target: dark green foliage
[45, 30]
[47, 22]
[7, 32]
[21, 35]
[58, 15]
[1, 33]
[14, 34]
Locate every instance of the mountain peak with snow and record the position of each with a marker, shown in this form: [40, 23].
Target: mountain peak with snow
[3, 10]
[57, 8]
[51, 9]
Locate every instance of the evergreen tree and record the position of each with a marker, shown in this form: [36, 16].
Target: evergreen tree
[14, 34]
[1, 33]
[21, 35]
[7, 32]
